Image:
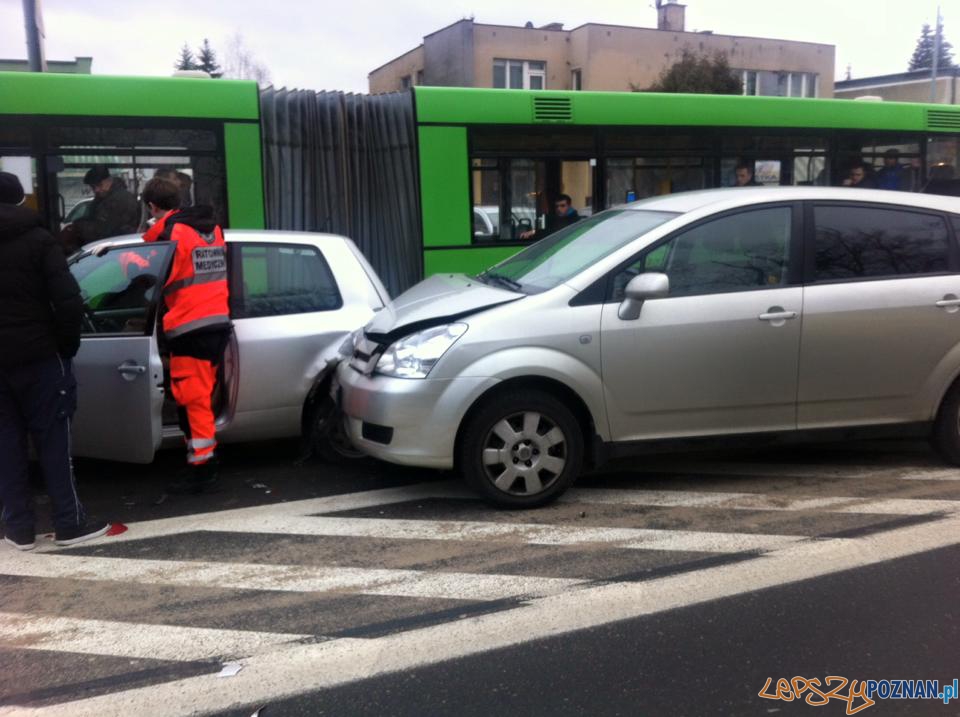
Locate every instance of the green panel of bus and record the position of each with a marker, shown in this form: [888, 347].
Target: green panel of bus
[202, 134]
[502, 168]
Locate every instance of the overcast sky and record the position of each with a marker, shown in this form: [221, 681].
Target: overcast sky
[333, 45]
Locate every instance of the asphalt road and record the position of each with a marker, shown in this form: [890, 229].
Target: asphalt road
[671, 585]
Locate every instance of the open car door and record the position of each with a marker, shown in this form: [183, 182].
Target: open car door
[118, 368]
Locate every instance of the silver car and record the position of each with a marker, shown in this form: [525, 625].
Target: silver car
[294, 298]
[769, 313]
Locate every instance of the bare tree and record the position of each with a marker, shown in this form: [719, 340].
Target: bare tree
[239, 62]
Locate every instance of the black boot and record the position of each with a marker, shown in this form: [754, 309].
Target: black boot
[197, 479]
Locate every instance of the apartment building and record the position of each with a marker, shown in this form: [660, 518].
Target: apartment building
[600, 57]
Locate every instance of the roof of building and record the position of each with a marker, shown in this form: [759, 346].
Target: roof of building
[79, 65]
[558, 27]
[894, 79]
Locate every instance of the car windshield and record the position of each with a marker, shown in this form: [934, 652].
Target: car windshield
[566, 253]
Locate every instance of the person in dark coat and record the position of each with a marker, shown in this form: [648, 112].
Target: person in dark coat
[563, 216]
[40, 315]
[745, 176]
[860, 177]
[115, 211]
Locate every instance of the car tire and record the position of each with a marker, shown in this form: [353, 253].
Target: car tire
[946, 429]
[331, 442]
[521, 449]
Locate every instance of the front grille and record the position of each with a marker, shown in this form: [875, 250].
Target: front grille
[552, 109]
[943, 119]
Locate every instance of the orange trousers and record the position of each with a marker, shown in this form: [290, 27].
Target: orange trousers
[192, 381]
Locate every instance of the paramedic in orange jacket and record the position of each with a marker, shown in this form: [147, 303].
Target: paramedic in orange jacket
[196, 323]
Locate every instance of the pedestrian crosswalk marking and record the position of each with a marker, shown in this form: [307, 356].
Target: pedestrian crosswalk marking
[289, 670]
[760, 501]
[289, 578]
[135, 640]
[797, 470]
[529, 533]
[517, 607]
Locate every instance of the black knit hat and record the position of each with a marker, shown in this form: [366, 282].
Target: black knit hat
[11, 191]
[96, 175]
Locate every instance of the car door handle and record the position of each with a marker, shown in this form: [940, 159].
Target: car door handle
[778, 315]
[131, 370]
[944, 303]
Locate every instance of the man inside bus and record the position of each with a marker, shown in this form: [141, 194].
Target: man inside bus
[893, 175]
[114, 211]
[563, 216]
[859, 177]
[744, 173]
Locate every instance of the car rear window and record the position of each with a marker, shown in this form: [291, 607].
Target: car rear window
[866, 242]
[280, 279]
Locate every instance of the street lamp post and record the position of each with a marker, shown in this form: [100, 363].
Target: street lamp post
[33, 22]
[936, 57]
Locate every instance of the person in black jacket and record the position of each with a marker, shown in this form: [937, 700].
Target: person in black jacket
[115, 211]
[40, 315]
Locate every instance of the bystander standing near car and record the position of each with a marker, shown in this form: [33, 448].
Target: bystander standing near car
[40, 317]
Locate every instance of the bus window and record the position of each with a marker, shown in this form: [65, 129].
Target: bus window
[777, 159]
[514, 199]
[890, 162]
[943, 158]
[641, 177]
[188, 157]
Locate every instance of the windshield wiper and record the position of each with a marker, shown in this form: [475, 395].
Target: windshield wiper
[503, 281]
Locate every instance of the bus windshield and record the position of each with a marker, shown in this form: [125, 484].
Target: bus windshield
[563, 255]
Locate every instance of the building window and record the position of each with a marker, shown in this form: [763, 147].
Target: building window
[520, 74]
[419, 77]
[779, 84]
[405, 82]
[576, 80]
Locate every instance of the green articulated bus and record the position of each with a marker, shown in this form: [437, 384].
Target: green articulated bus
[54, 127]
[493, 162]
[490, 163]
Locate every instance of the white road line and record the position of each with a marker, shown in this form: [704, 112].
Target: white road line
[310, 667]
[801, 470]
[133, 639]
[205, 521]
[288, 578]
[939, 474]
[529, 533]
[759, 501]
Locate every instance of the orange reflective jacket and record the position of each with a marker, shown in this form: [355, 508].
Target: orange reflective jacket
[196, 291]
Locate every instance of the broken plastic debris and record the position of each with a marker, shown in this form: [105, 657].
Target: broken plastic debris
[117, 529]
[229, 669]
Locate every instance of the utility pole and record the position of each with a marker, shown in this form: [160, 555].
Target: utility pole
[936, 57]
[33, 22]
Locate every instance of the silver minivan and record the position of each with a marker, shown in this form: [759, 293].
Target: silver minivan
[770, 313]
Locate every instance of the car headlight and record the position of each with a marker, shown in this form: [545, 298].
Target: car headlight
[413, 356]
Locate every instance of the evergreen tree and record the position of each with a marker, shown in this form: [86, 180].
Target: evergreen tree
[207, 60]
[923, 56]
[186, 61]
[699, 74]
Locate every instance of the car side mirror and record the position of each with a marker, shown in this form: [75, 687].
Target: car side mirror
[651, 285]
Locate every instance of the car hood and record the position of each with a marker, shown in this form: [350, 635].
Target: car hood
[438, 300]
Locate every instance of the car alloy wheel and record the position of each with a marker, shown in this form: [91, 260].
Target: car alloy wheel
[524, 453]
